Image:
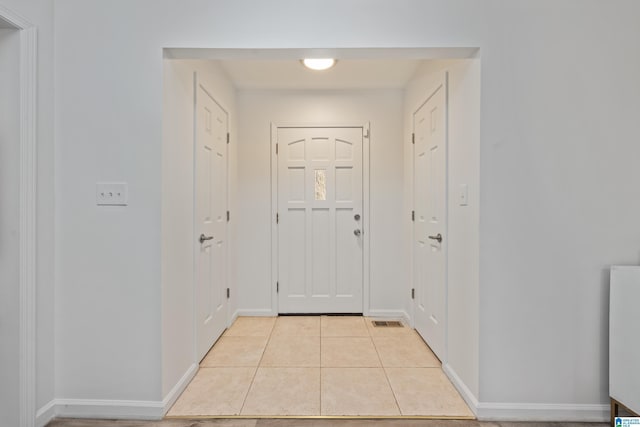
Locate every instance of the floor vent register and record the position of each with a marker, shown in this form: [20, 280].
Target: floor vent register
[387, 324]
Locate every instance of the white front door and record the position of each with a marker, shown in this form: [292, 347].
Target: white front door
[430, 227]
[211, 220]
[320, 221]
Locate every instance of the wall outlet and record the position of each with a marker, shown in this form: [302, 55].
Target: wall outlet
[111, 193]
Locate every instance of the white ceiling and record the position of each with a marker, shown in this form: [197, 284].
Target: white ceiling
[346, 74]
[357, 68]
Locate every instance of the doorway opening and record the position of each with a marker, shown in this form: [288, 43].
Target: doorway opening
[270, 98]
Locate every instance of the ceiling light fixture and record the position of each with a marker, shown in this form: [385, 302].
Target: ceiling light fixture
[319, 64]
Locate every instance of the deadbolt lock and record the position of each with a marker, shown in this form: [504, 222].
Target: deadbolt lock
[356, 217]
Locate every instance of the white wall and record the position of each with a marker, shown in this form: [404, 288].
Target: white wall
[9, 226]
[40, 14]
[178, 355]
[108, 289]
[256, 111]
[463, 227]
[558, 161]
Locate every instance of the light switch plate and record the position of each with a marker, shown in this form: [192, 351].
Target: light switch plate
[111, 193]
[463, 195]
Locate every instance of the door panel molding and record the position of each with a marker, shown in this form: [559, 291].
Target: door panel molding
[365, 207]
[434, 329]
[211, 248]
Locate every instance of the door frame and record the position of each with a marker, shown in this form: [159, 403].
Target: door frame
[199, 83]
[443, 81]
[28, 212]
[366, 140]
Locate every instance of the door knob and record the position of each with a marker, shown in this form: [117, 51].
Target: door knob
[204, 238]
[357, 232]
[437, 237]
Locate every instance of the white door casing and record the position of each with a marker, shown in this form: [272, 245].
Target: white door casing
[210, 237]
[430, 220]
[320, 219]
[28, 234]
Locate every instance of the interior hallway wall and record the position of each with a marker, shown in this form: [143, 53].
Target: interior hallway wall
[178, 356]
[558, 160]
[463, 168]
[9, 226]
[557, 165]
[257, 110]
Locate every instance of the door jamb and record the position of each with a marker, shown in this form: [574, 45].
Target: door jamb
[28, 213]
[366, 142]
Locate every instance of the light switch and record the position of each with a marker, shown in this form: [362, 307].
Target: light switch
[111, 193]
[463, 195]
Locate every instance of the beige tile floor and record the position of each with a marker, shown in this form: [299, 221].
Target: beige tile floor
[319, 366]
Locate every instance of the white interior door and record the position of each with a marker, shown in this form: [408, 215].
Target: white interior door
[430, 239]
[320, 223]
[211, 220]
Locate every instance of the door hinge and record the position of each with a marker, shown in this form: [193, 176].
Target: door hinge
[367, 134]
[277, 218]
[276, 149]
[413, 293]
[277, 287]
[228, 216]
[228, 293]
[413, 215]
[228, 137]
[413, 138]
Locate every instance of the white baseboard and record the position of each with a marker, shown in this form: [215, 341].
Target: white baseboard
[109, 409]
[396, 314]
[233, 318]
[260, 312]
[266, 312]
[177, 389]
[114, 409]
[542, 412]
[45, 414]
[152, 410]
[486, 411]
[470, 399]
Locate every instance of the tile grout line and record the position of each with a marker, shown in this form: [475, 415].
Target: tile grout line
[393, 392]
[386, 375]
[376, 348]
[373, 342]
[371, 335]
[244, 401]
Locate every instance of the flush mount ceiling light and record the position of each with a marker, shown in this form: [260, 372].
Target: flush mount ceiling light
[319, 64]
